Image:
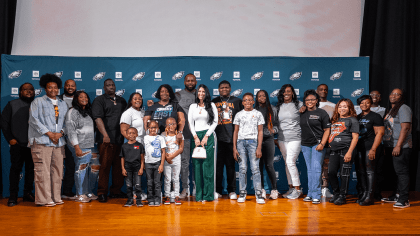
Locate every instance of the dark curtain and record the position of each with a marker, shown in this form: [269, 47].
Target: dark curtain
[391, 38]
[7, 26]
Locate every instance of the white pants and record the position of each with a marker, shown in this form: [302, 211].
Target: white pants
[290, 151]
[171, 172]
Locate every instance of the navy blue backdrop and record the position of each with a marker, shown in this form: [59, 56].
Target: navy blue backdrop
[346, 77]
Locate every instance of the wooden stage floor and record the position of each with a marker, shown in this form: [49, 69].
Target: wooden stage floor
[281, 216]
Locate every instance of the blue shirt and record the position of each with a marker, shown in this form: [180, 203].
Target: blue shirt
[42, 120]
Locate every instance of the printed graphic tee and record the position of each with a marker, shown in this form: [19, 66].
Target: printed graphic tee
[313, 124]
[248, 122]
[160, 113]
[132, 155]
[341, 132]
[171, 147]
[153, 146]
[366, 130]
[393, 128]
[227, 109]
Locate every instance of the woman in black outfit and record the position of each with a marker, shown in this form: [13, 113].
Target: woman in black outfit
[371, 131]
[269, 129]
[343, 140]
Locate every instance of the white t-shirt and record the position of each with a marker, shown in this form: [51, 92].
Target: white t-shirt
[327, 106]
[54, 101]
[248, 122]
[153, 146]
[198, 118]
[171, 147]
[134, 118]
[380, 110]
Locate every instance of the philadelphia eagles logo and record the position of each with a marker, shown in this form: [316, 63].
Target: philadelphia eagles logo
[336, 76]
[38, 92]
[237, 93]
[120, 92]
[58, 74]
[99, 76]
[139, 76]
[154, 94]
[216, 75]
[277, 158]
[357, 92]
[178, 75]
[295, 76]
[15, 74]
[257, 75]
[275, 93]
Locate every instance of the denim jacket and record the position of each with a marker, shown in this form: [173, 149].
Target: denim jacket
[42, 120]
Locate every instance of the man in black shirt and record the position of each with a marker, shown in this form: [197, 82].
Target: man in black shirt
[227, 107]
[69, 166]
[15, 129]
[106, 111]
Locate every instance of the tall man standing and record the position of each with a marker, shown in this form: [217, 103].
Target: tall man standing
[68, 179]
[15, 126]
[322, 91]
[185, 98]
[227, 107]
[106, 111]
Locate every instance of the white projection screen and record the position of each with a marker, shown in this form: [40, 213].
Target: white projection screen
[140, 28]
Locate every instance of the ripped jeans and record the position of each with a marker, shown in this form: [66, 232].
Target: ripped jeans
[85, 176]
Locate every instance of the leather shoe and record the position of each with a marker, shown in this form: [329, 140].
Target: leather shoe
[29, 197]
[118, 195]
[102, 198]
[12, 202]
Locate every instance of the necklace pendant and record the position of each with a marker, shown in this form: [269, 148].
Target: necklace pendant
[224, 106]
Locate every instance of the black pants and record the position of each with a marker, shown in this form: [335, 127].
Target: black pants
[363, 164]
[402, 169]
[133, 182]
[68, 178]
[154, 187]
[225, 157]
[381, 172]
[20, 155]
[267, 160]
[337, 163]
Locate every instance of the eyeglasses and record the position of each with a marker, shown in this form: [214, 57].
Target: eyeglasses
[395, 94]
[171, 124]
[375, 95]
[310, 100]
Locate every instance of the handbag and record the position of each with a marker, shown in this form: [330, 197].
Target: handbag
[199, 153]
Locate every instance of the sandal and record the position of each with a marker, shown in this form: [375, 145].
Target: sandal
[50, 204]
[59, 202]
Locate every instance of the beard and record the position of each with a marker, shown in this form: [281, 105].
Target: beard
[192, 88]
[69, 94]
[26, 99]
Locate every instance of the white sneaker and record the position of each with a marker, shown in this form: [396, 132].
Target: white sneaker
[263, 194]
[143, 196]
[316, 201]
[307, 199]
[217, 195]
[288, 192]
[295, 194]
[185, 193]
[242, 197]
[326, 193]
[82, 198]
[274, 194]
[92, 196]
[233, 196]
[259, 198]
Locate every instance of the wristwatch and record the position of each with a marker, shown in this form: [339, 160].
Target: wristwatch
[180, 132]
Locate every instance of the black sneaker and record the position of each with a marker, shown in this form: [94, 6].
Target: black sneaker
[404, 204]
[129, 202]
[139, 203]
[390, 199]
[334, 198]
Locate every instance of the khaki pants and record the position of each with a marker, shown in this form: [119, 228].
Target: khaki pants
[48, 163]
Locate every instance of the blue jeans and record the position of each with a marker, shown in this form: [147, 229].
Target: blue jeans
[85, 178]
[314, 160]
[247, 149]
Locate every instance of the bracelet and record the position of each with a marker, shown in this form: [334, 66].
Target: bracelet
[322, 144]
